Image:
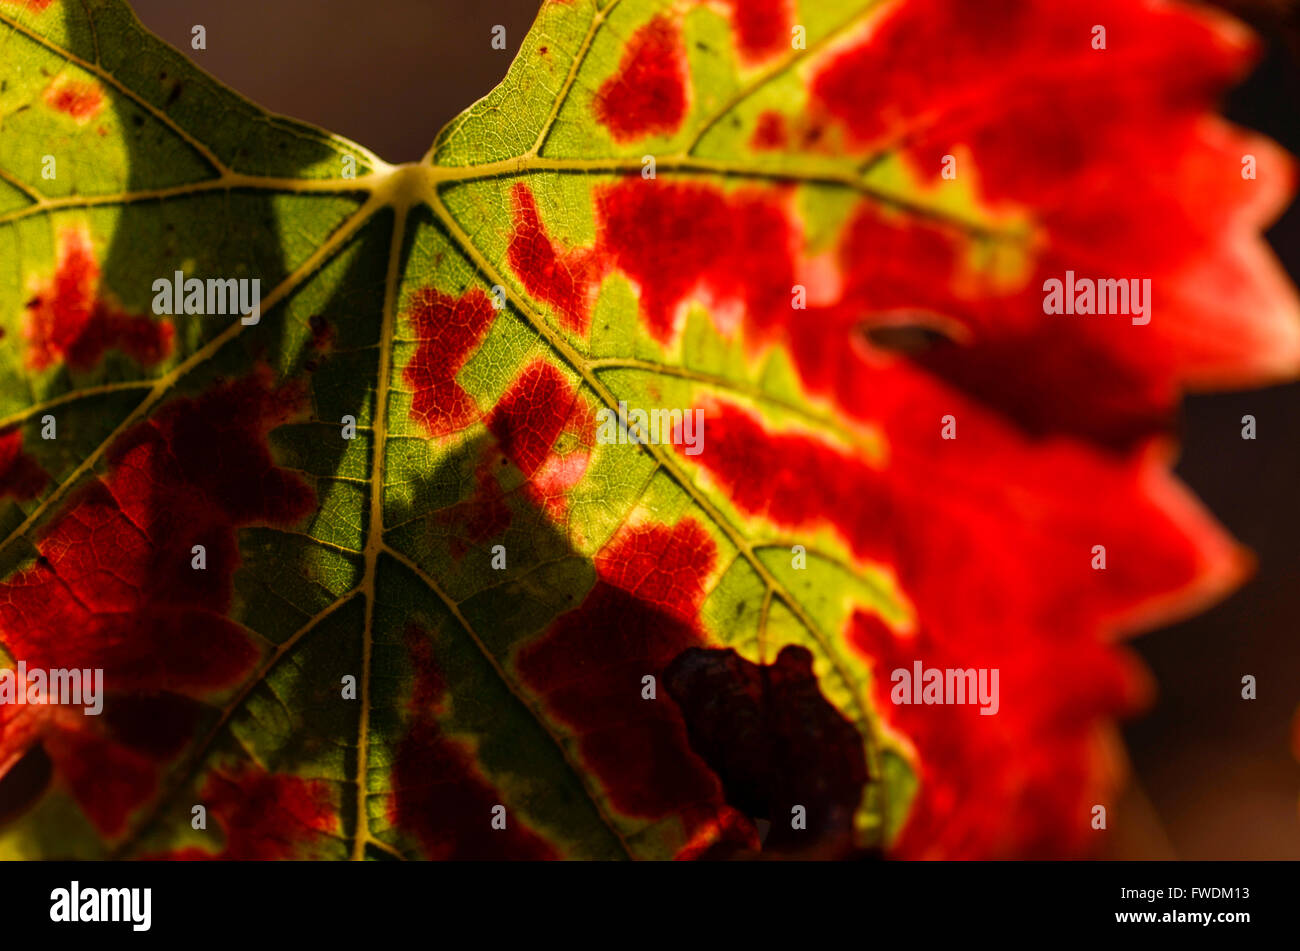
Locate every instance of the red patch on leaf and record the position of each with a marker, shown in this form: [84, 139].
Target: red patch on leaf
[648, 93]
[770, 133]
[70, 319]
[439, 794]
[534, 413]
[113, 587]
[806, 481]
[531, 414]
[542, 426]
[37, 5]
[565, 280]
[106, 778]
[735, 250]
[264, 816]
[79, 99]
[447, 331]
[641, 613]
[762, 27]
[675, 239]
[21, 477]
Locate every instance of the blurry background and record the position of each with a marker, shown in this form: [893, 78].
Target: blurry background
[1215, 775]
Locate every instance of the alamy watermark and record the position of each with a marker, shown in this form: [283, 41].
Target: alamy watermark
[77, 904]
[1102, 296]
[655, 427]
[931, 685]
[219, 296]
[68, 687]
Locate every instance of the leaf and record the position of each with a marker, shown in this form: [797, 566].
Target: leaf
[626, 221]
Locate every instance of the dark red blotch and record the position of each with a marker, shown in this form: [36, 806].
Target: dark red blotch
[775, 743]
[642, 613]
[439, 794]
[21, 477]
[113, 587]
[264, 816]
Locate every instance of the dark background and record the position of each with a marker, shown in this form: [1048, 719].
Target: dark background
[1214, 774]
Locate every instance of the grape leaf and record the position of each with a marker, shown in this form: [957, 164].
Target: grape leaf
[371, 574]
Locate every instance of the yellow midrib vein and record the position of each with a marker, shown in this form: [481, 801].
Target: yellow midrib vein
[375, 526]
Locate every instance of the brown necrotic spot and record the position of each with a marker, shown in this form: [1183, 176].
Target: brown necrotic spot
[775, 743]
